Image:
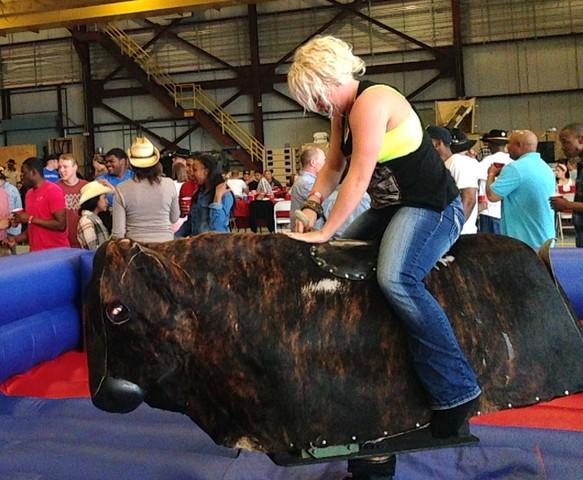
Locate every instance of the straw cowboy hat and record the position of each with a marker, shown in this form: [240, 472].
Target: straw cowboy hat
[92, 190]
[143, 154]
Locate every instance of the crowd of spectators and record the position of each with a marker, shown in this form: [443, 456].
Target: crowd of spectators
[510, 191]
[47, 204]
[519, 194]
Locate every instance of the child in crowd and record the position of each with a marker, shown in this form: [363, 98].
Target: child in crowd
[91, 232]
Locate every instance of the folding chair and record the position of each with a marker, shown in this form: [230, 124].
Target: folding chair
[564, 220]
[281, 215]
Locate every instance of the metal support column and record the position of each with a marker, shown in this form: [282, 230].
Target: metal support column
[82, 49]
[6, 106]
[255, 73]
[60, 117]
[6, 109]
[460, 87]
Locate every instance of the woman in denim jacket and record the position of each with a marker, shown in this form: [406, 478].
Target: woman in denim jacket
[211, 204]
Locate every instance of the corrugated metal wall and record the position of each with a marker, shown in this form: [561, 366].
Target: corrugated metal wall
[512, 47]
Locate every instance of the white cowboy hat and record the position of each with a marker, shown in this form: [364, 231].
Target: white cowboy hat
[92, 190]
[143, 154]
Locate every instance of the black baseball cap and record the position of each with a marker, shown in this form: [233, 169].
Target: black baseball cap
[440, 133]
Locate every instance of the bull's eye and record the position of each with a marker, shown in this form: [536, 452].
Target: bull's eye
[117, 313]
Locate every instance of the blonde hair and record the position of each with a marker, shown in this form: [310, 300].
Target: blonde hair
[68, 157]
[321, 63]
[179, 172]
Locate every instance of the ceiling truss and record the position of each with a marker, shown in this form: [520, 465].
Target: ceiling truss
[255, 79]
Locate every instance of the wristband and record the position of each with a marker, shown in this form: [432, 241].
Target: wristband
[314, 206]
[318, 195]
[30, 219]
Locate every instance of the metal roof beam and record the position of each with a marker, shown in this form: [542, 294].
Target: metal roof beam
[384, 26]
[163, 141]
[337, 18]
[269, 79]
[30, 15]
[189, 45]
[149, 43]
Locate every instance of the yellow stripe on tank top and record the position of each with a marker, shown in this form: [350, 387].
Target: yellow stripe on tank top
[402, 140]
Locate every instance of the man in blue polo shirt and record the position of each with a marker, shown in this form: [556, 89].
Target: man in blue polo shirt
[525, 187]
[118, 171]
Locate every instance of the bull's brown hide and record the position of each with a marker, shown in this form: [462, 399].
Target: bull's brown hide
[248, 337]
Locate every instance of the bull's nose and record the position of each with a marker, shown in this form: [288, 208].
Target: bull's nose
[118, 395]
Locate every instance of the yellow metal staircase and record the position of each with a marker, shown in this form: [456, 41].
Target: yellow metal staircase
[187, 96]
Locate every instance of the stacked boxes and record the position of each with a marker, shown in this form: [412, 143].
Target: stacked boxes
[282, 161]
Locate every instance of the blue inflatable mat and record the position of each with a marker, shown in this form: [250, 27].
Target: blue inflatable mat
[86, 268]
[71, 439]
[38, 338]
[39, 281]
[503, 453]
[567, 264]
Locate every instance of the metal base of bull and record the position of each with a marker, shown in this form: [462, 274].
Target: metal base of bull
[365, 461]
[382, 469]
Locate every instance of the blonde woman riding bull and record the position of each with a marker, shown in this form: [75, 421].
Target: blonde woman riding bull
[416, 209]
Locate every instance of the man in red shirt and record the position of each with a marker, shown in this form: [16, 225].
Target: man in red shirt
[45, 211]
[71, 185]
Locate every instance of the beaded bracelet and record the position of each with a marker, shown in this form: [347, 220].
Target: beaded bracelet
[314, 206]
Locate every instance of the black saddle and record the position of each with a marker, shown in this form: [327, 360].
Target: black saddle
[347, 259]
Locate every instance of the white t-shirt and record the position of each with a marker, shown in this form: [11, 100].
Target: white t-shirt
[494, 208]
[465, 171]
[237, 186]
[178, 185]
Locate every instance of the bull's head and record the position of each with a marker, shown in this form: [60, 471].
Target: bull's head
[138, 318]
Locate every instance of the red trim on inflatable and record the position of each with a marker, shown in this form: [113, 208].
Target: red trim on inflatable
[565, 413]
[64, 377]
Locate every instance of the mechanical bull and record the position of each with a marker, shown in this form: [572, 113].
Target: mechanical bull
[280, 345]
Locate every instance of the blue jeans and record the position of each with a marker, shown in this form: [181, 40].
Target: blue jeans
[413, 239]
[488, 224]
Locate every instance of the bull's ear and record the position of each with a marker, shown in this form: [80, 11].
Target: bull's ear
[157, 272]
